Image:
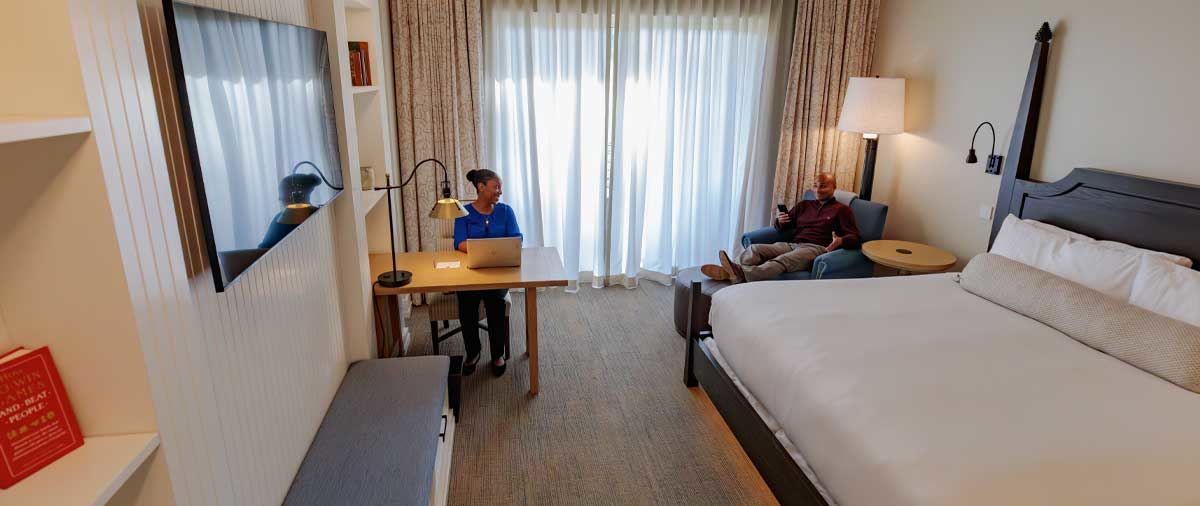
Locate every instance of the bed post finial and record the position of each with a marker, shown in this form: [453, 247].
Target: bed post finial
[1044, 34]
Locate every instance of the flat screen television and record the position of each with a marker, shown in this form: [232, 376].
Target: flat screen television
[256, 99]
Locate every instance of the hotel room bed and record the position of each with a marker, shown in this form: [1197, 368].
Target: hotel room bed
[915, 391]
[935, 396]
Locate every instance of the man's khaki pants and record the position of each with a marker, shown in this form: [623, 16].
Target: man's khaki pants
[768, 261]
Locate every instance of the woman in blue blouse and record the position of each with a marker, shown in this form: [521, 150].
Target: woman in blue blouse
[486, 218]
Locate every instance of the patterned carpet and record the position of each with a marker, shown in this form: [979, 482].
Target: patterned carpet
[613, 424]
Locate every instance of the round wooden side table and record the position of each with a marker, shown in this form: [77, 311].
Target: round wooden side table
[909, 257]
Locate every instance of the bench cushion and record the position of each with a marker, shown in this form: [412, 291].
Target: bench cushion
[378, 441]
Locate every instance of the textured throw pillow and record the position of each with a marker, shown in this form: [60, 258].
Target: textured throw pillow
[1106, 270]
[1164, 347]
[1167, 289]
[1119, 246]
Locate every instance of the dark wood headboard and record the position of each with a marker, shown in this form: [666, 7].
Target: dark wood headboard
[1147, 213]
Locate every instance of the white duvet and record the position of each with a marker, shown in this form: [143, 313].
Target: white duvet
[911, 391]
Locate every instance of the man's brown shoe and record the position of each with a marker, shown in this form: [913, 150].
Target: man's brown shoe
[715, 272]
[736, 275]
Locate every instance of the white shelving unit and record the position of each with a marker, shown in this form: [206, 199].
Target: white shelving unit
[365, 22]
[59, 251]
[27, 128]
[361, 4]
[369, 135]
[91, 474]
[373, 198]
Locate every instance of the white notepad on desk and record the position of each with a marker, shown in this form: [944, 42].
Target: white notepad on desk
[447, 265]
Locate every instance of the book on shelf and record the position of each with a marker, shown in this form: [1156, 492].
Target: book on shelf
[360, 64]
[355, 68]
[37, 425]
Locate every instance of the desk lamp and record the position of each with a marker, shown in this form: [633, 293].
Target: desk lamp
[446, 208]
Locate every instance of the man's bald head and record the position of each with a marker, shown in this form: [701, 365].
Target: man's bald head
[824, 185]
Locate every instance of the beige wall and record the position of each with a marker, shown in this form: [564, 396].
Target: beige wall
[1121, 95]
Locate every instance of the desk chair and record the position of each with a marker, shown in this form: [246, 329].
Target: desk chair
[443, 307]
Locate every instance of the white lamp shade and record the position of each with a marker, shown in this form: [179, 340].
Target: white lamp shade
[874, 105]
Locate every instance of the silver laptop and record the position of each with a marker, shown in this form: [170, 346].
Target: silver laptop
[500, 252]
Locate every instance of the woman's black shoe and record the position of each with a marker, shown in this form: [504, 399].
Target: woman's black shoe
[498, 370]
[469, 366]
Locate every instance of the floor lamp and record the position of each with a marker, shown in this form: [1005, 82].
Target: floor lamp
[873, 106]
[446, 208]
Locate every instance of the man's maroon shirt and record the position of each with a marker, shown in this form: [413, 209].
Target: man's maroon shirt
[815, 221]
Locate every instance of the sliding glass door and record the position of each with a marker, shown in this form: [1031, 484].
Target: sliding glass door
[632, 135]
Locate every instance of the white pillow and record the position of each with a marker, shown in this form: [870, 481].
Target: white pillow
[1120, 246]
[1025, 243]
[1105, 270]
[1167, 289]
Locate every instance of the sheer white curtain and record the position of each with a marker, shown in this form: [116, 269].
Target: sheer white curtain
[632, 135]
[258, 94]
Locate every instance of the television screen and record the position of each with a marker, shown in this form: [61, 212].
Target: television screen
[257, 105]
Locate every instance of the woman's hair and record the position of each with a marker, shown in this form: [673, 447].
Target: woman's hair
[480, 176]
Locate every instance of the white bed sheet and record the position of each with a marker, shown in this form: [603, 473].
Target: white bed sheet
[911, 391]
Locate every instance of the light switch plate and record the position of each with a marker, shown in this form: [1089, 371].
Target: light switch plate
[985, 211]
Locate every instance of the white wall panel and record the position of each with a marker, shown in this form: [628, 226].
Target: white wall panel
[240, 379]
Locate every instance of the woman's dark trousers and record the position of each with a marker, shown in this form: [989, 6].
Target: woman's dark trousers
[497, 321]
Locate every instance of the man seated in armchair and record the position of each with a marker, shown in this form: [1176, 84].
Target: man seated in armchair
[815, 226]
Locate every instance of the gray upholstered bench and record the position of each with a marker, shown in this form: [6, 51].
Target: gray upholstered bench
[386, 438]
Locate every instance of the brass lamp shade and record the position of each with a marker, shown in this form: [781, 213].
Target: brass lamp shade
[447, 209]
[295, 214]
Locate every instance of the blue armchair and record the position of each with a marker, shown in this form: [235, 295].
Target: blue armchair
[841, 263]
[837, 264]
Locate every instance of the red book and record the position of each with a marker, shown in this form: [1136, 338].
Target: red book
[356, 77]
[366, 62]
[37, 425]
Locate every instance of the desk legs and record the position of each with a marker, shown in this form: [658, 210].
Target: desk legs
[531, 343]
[389, 336]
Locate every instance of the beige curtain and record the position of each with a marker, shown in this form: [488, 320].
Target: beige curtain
[436, 51]
[834, 40]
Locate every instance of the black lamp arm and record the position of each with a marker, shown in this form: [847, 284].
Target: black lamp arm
[445, 177]
[319, 173]
[990, 127]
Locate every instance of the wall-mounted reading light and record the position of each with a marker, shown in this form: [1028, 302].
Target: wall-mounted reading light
[994, 161]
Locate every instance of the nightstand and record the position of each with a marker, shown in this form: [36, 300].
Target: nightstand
[909, 257]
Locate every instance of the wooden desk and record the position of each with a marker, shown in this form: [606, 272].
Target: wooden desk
[539, 267]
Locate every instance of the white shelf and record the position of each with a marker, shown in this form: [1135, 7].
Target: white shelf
[89, 475]
[371, 198]
[360, 4]
[25, 128]
[364, 89]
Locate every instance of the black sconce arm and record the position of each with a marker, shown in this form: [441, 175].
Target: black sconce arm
[990, 127]
[993, 161]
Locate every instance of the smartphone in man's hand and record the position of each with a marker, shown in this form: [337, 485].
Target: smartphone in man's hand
[782, 208]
